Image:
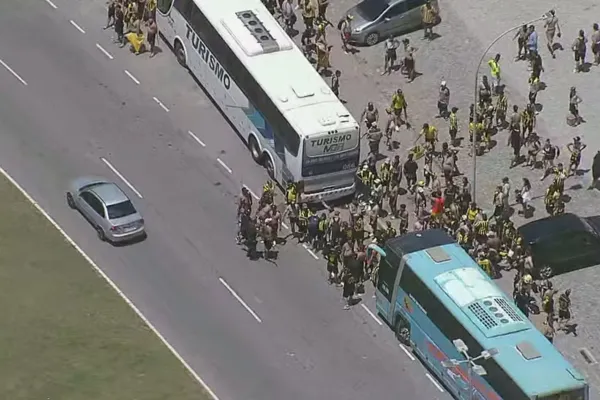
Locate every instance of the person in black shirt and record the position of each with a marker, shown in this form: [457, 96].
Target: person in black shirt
[410, 172]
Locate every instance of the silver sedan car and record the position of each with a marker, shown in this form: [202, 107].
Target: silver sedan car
[107, 208]
[375, 20]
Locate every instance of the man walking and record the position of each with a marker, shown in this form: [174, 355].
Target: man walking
[596, 44]
[552, 28]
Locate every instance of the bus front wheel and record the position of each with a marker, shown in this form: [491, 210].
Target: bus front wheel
[180, 54]
[402, 330]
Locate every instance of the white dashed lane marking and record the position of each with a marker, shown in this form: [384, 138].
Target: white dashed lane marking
[197, 139]
[312, 253]
[435, 383]
[9, 69]
[133, 78]
[371, 314]
[51, 4]
[103, 50]
[408, 353]
[80, 29]
[224, 166]
[160, 104]
[240, 300]
[120, 175]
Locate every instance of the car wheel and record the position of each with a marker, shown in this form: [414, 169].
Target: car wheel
[180, 54]
[255, 150]
[402, 331]
[101, 234]
[70, 201]
[269, 167]
[546, 272]
[372, 38]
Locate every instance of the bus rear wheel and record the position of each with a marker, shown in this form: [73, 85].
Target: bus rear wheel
[269, 167]
[402, 331]
[257, 156]
[180, 54]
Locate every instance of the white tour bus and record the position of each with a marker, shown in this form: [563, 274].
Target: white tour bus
[292, 122]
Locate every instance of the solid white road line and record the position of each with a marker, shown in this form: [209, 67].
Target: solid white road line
[404, 349]
[197, 139]
[80, 29]
[251, 192]
[117, 173]
[224, 166]
[51, 4]
[133, 78]
[113, 285]
[160, 104]
[103, 50]
[435, 383]
[9, 69]
[239, 299]
[312, 253]
[371, 314]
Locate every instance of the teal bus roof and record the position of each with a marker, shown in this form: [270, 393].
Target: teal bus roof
[493, 319]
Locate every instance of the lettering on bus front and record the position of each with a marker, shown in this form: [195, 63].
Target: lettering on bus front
[333, 144]
[208, 58]
[459, 373]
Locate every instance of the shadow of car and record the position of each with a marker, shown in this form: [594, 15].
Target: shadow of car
[374, 20]
[562, 243]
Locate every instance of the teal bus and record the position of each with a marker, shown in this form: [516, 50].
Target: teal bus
[431, 292]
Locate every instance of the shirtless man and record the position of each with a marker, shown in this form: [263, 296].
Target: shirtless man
[552, 28]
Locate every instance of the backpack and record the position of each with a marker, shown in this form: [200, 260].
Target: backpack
[340, 24]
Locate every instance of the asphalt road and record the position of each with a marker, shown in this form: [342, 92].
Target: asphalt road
[252, 330]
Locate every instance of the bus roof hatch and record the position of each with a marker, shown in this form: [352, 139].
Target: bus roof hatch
[254, 36]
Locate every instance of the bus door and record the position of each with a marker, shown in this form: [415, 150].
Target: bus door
[390, 269]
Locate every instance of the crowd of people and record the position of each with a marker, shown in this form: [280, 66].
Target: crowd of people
[134, 22]
[424, 188]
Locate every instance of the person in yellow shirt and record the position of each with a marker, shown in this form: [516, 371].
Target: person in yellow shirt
[429, 16]
[429, 132]
[494, 64]
[399, 106]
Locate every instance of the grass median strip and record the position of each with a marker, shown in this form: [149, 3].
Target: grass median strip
[64, 333]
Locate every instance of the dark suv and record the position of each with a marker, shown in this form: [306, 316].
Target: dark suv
[563, 243]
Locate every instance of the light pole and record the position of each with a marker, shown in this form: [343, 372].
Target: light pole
[476, 92]
[470, 361]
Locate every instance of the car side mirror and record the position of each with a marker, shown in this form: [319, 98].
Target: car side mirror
[386, 19]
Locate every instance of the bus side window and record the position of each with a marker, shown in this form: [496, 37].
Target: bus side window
[387, 277]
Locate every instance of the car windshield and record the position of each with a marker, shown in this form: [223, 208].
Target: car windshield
[372, 9]
[120, 210]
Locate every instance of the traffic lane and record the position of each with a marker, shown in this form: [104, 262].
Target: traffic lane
[154, 273]
[157, 174]
[201, 122]
[394, 347]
